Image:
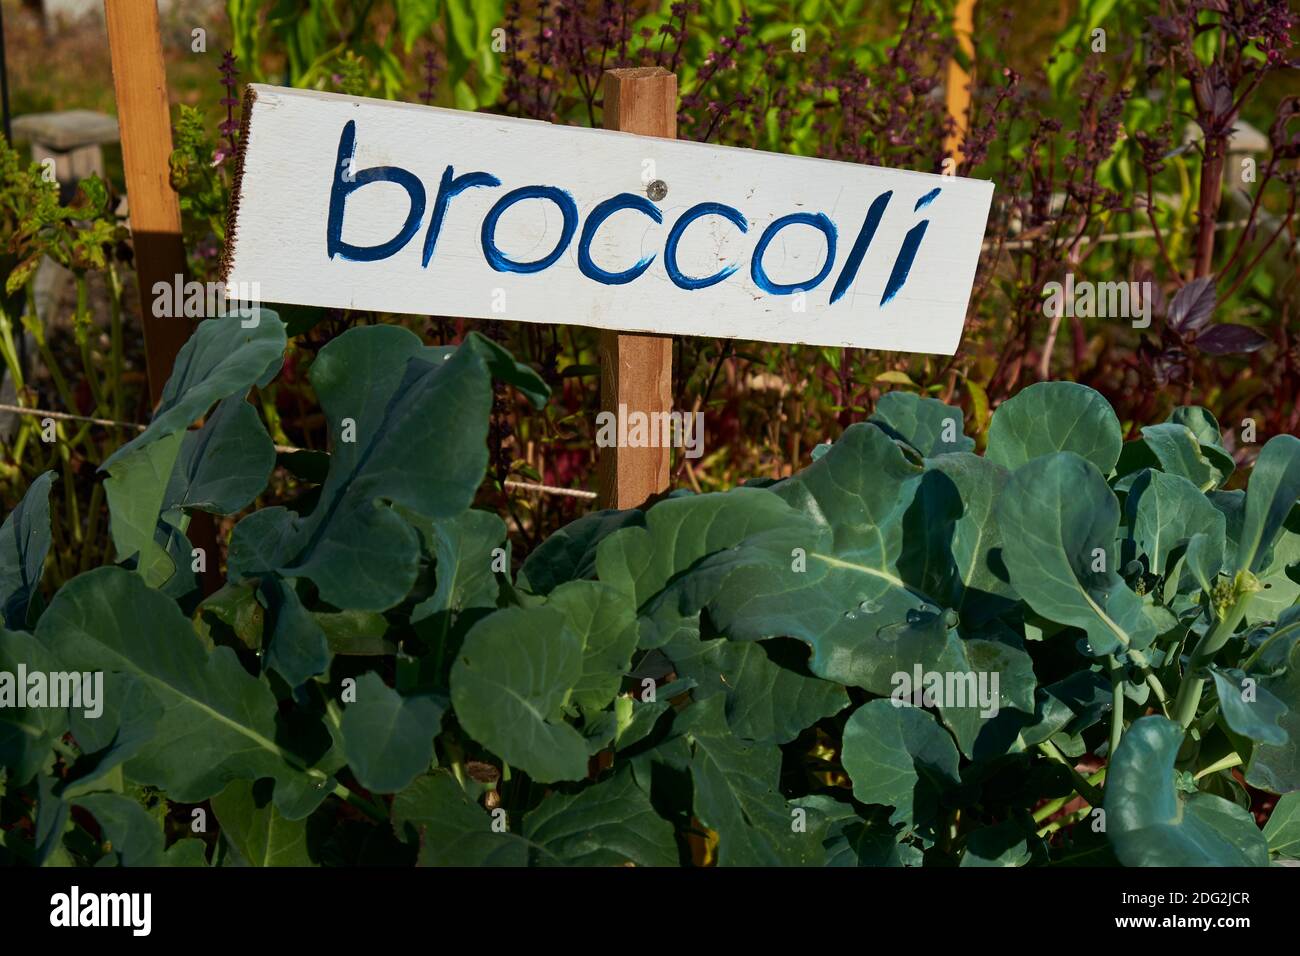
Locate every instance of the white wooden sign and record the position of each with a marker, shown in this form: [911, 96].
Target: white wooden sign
[369, 204]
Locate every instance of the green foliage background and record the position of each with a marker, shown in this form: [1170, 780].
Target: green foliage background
[712, 679]
[392, 657]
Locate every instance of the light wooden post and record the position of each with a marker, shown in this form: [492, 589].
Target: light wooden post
[958, 85]
[143, 114]
[144, 119]
[637, 370]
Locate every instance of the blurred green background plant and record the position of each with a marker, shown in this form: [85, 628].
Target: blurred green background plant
[1117, 156]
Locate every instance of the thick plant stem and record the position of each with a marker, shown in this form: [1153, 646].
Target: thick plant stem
[1207, 206]
[1207, 719]
[334, 713]
[457, 756]
[1069, 820]
[367, 807]
[1189, 692]
[1081, 784]
[10, 352]
[1054, 806]
[1117, 705]
[1157, 688]
[1148, 675]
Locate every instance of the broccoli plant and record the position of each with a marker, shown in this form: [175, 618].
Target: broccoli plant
[1071, 649]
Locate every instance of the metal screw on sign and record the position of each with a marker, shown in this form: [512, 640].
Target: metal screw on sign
[657, 190]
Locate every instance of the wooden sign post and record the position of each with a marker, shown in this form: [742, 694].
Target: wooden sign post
[636, 371]
[144, 117]
[958, 90]
[358, 203]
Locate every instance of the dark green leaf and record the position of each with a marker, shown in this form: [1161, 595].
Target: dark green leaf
[218, 722]
[605, 622]
[1059, 522]
[766, 702]
[388, 399]
[1164, 512]
[503, 367]
[1249, 709]
[1276, 767]
[1179, 453]
[608, 824]
[825, 572]
[981, 585]
[1273, 491]
[927, 424]
[1150, 822]
[1003, 844]
[852, 840]
[989, 697]
[388, 738]
[134, 835]
[570, 553]
[1283, 828]
[736, 794]
[464, 550]
[298, 649]
[515, 673]
[435, 813]
[1204, 426]
[897, 756]
[255, 828]
[221, 358]
[26, 733]
[1051, 417]
[24, 543]
[224, 465]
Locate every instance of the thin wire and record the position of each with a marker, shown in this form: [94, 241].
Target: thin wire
[551, 490]
[106, 422]
[65, 417]
[282, 449]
